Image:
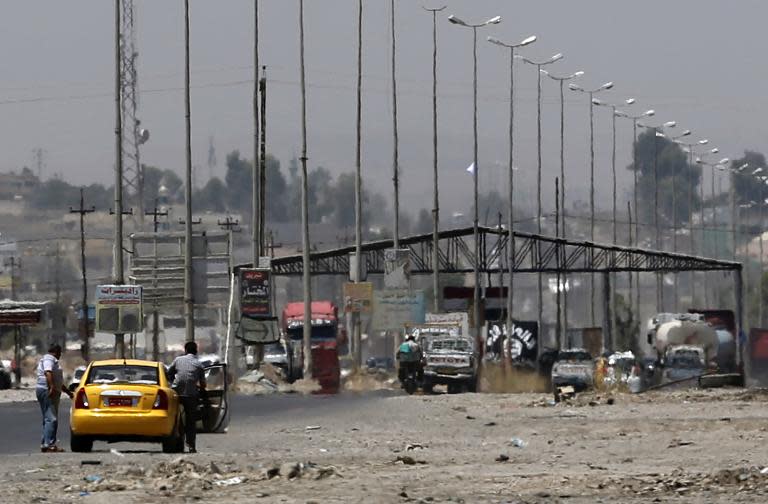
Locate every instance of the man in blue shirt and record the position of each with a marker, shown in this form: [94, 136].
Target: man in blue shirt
[49, 386]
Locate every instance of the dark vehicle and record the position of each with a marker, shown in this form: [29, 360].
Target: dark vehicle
[574, 367]
[385, 363]
[5, 377]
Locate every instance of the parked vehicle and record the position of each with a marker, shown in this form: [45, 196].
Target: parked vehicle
[5, 377]
[574, 367]
[326, 337]
[76, 377]
[126, 400]
[277, 355]
[450, 357]
[684, 362]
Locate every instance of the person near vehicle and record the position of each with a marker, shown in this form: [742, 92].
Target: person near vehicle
[49, 386]
[188, 381]
[409, 357]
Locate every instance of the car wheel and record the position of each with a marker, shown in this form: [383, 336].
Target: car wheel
[453, 388]
[175, 442]
[81, 444]
[471, 386]
[428, 387]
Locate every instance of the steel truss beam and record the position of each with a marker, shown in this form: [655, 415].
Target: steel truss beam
[533, 254]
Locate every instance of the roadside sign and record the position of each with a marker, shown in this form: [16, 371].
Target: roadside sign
[119, 309]
[358, 297]
[394, 308]
[255, 293]
[258, 330]
[397, 268]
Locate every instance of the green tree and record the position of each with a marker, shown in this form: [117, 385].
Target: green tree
[213, 196]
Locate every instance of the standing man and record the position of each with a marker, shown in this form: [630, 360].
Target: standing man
[188, 380]
[50, 385]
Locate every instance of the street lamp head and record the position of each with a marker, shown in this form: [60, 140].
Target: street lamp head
[496, 41]
[699, 161]
[493, 20]
[756, 171]
[453, 19]
[670, 124]
[714, 151]
[607, 85]
[575, 87]
[619, 113]
[724, 161]
[541, 70]
[743, 167]
[629, 101]
[595, 101]
[556, 57]
[529, 40]
[685, 133]
[703, 142]
[577, 74]
[649, 113]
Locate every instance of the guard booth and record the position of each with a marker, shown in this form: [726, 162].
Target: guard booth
[18, 315]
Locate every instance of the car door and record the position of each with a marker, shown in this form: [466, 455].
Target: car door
[214, 407]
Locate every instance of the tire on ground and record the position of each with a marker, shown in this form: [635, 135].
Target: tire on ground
[81, 444]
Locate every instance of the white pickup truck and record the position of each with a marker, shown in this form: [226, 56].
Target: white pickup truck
[449, 359]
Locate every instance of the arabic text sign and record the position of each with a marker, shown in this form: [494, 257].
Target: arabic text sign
[118, 294]
[255, 293]
[358, 297]
[394, 308]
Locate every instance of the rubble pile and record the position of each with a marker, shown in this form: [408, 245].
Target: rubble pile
[741, 479]
[184, 476]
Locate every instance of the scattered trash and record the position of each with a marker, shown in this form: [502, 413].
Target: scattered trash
[406, 460]
[676, 442]
[85, 494]
[610, 401]
[490, 424]
[470, 417]
[32, 471]
[90, 462]
[236, 480]
[94, 478]
[764, 470]
[413, 446]
[115, 452]
[517, 442]
[502, 458]
[312, 427]
[323, 450]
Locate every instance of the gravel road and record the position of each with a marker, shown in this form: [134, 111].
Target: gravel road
[682, 446]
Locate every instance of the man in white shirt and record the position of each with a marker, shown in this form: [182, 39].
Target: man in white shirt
[50, 385]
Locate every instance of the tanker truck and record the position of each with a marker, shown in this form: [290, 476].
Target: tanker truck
[687, 346]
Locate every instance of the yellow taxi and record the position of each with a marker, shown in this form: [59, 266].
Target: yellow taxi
[126, 400]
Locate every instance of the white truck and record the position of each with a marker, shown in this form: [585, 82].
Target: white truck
[450, 357]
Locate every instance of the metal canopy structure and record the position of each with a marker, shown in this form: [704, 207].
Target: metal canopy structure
[533, 254]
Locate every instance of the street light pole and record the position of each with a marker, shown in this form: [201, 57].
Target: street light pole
[395, 142]
[656, 135]
[561, 80]
[511, 175]
[476, 233]
[189, 302]
[118, 239]
[356, 322]
[635, 119]
[539, 65]
[436, 198]
[591, 94]
[719, 165]
[306, 273]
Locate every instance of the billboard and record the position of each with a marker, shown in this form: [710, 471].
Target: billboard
[119, 309]
[394, 308]
[397, 268]
[255, 293]
[358, 297]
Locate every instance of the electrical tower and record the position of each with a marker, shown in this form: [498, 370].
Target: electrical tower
[133, 134]
[211, 158]
[38, 156]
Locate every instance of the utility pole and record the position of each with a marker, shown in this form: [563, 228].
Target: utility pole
[558, 325]
[306, 273]
[358, 273]
[263, 163]
[189, 295]
[155, 213]
[436, 202]
[118, 213]
[85, 349]
[255, 218]
[15, 263]
[395, 157]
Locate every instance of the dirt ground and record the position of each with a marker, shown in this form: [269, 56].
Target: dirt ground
[681, 446]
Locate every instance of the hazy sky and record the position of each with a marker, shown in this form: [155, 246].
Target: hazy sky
[699, 62]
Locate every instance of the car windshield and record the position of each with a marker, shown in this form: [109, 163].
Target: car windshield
[574, 356]
[689, 360]
[140, 375]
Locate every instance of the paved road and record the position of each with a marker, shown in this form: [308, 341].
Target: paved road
[21, 422]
